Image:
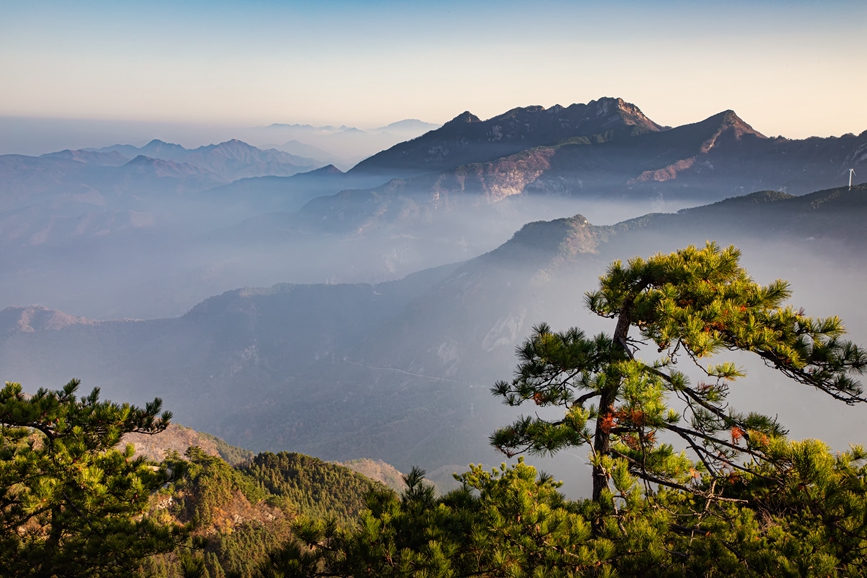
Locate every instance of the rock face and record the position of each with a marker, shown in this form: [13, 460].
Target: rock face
[378, 471]
[174, 438]
[35, 318]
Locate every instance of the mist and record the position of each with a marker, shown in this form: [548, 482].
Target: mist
[364, 310]
[173, 253]
[341, 145]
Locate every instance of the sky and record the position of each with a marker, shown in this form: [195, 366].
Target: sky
[788, 68]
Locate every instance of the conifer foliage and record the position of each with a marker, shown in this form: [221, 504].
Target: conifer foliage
[70, 504]
[691, 304]
[749, 503]
[800, 514]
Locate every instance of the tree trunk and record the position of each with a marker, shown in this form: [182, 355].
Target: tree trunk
[602, 437]
[46, 568]
[602, 440]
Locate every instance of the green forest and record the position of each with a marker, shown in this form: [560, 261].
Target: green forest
[683, 483]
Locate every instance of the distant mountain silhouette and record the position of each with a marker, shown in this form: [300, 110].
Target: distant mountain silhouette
[108, 159]
[118, 177]
[230, 160]
[343, 145]
[411, 125]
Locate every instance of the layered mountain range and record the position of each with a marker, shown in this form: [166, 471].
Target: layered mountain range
[125, 170]
[150, 231]
[605, 151]
[400, 371]
[627, 158]
[427, 285]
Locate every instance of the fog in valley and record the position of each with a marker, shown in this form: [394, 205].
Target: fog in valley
[282, 292]
[171, 255]
[463, 289]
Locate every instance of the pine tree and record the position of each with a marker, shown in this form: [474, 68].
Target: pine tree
[750, 503]
[70, 504]
[690, 304]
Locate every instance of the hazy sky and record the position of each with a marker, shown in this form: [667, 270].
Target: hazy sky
[791, 68]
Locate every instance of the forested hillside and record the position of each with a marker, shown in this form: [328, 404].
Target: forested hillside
[238, 515]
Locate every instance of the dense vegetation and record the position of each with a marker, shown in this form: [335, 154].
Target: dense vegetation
[311, 487]
[689, 305]
[70, 503]
[241, 514]
[742, 501]
[802, 516]
[740, 498]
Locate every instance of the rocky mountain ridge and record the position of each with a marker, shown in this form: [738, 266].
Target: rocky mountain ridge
[468, 139]
[686, 165]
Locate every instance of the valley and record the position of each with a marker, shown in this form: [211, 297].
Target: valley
[400, 371]
[379, 304]
[433, 290]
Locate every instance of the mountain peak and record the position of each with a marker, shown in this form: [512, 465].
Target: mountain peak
[141, 160]
[543, 241]
[728, 119]
[465, 117]
[409, 124]
[37, 318]
[626, 112]
[158, 147]
[235, 143]
[326, 170]
[161, 167]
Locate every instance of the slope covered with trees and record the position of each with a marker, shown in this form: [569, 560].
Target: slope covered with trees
[238, 516]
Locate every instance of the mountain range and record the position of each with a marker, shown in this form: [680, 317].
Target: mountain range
[381, 302]
[400, 371]
[605, 151]
[150, 231]
[124, 171]
[467, 139]
[629, 159]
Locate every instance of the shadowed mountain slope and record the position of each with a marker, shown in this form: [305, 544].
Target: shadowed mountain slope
[706, 161]
[468, 139]
[276, 193]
